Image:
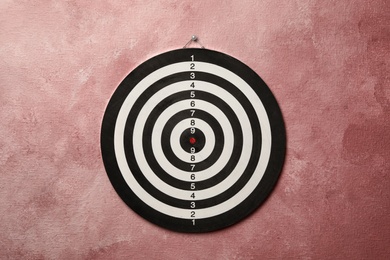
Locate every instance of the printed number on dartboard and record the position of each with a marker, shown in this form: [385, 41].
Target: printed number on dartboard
[192, 131]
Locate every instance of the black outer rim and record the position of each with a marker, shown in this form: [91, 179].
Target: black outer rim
[274, 167]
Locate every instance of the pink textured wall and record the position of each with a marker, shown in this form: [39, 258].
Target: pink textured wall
[327, 63]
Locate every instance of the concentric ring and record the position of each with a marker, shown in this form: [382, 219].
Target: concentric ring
[214, 129]
[215, 190]
[176, 193]
[220, 154]
[173, 147]
[192, 137]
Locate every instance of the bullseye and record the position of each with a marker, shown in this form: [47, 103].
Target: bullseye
[193, 140]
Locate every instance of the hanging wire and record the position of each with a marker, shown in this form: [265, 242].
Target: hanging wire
[194, 39]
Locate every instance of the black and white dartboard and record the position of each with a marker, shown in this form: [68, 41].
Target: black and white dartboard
[193, 140]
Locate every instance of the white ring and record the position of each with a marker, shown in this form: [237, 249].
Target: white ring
[159, 154]
[240, 196]
[139, 153]
[178, 150]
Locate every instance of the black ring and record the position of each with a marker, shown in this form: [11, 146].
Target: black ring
[249, 203]
[186, 185]
[167, 149]
[186, 138]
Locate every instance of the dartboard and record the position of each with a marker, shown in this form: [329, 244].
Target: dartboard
[193, 140]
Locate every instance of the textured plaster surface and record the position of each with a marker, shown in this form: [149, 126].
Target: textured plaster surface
[327, 63]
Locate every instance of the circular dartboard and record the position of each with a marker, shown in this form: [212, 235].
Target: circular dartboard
[193, 140]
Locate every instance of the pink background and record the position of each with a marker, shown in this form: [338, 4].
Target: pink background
[327, 63]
